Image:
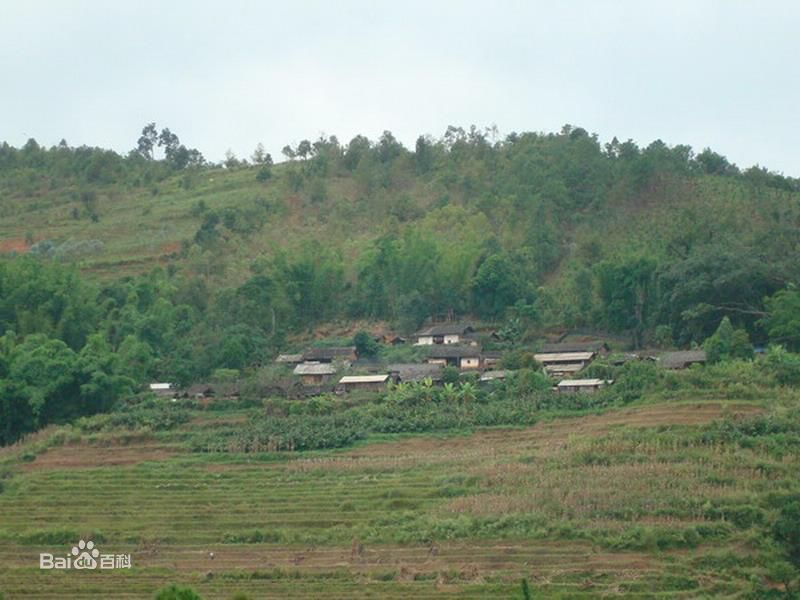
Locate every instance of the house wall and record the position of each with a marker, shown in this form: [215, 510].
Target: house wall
[470, 363]
[425, 340]
[452, 339]
[437, 361]
[313, 379]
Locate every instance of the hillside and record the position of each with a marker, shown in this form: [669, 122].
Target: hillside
[685, 492]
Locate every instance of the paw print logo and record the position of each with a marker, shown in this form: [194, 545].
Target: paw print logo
[86, 555]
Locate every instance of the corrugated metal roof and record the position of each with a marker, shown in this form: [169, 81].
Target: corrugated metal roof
[314, 369]
[492, 375]
[563, 357]
[160, 386]
[581, 382]
[364, 378]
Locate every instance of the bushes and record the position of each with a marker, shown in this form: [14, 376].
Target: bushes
[152, 415]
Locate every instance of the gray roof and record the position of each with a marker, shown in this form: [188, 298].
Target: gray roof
[681, 359]
[289, 358]
[593, 346]
[329, 353]
[454, 351]
[315, 369]
[415, 371]
[447, 329]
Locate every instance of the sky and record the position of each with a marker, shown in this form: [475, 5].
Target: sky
[230, 75]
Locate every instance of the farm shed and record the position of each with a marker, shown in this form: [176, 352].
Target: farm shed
[314, 373]
[682, 359]
[163, 389]
[447, 333]
[564, 362]
[373, 383]
[491, 359]
[584, 386]
[498, 375]
[463, 357]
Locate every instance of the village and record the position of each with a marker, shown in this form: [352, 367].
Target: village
[455, 348]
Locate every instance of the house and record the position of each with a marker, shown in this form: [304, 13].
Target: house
[583, 386]
[489, 376]
[682, 359]
[451, 355]
[346, 354]
[596, 347]
[415, 372]
[314, 373]
[394, 340]
[446, 333]
[491, 359]
[564, 363]
[372, 383]
[289, 359]
[199, 391]
[166, 390]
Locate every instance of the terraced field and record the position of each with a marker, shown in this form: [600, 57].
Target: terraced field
[463, 516]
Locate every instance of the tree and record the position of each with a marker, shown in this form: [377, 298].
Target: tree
[365, 344]
[728, 343]
[259, 155]
[783, 318]
[495, 286]
[147, 141]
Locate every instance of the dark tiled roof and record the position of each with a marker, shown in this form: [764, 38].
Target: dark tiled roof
[447, 329]
[454, 351]
[681, 359]
[415, 371]
[559, 348]
[329, 353]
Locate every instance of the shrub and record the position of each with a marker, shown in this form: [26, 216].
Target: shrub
[787, 530]
[175, 592]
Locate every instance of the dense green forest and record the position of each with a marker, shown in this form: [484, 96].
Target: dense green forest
[531, 232]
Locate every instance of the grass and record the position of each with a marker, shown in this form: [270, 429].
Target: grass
[624, 502]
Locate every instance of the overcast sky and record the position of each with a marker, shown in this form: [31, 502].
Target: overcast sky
[231, 74]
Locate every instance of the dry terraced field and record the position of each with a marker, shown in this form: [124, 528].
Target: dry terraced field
[463, 516]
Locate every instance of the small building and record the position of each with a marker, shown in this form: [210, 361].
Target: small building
[314, 373]
[682, 359]
[489, 376]
[583, 386]
[595, 347]
[446, 333]
[415, 372]
[394, 340]
[346, 354]
[166, 390]
[491, 359]
[200, 391]
[372, 383]
[289, 359]
[450, 355]
[564, 363]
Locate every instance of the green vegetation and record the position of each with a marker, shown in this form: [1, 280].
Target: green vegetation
[584, 494]
[534, 231]
[165, 268]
